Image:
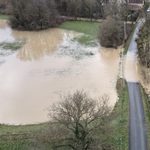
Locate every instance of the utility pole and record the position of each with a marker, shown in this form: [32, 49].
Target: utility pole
[122, 54]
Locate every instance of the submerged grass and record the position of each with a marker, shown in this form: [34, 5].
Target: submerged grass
[86, 40]
[147, 115]
[129, 40]
[76, 53]
[13, 46]
[5, 17]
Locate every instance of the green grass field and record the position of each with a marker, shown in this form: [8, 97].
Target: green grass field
[18, 137]
[2, 16]
[89, 28]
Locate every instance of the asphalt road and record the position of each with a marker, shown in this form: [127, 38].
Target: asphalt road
[137, 122]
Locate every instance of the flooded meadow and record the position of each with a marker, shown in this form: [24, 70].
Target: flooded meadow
[37, 67]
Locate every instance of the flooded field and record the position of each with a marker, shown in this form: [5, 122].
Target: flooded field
[50, 63]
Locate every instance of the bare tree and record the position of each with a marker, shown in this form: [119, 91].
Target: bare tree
[83, 118]
[111, 33]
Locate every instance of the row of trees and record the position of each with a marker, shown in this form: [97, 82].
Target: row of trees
[143, 44]
[42, 14]
[143, 47]
[96, 9]
[81, 8]
[93, 8]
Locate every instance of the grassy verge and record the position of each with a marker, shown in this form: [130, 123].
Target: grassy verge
[86, 40]
[121, 127]
[2, 16]
[129, 40]
[147, 115]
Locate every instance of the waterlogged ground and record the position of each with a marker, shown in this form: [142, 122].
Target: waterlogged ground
[50, 63]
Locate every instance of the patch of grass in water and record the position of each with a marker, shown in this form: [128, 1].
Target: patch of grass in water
[13, 46]
[86, 40]
[77, 54]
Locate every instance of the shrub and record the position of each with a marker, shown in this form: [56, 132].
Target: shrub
[111, 33]
[33, 15]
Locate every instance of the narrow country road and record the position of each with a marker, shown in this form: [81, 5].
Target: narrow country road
[137, 122]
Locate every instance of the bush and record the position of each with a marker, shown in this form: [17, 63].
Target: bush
[111, 33]
[33, 15]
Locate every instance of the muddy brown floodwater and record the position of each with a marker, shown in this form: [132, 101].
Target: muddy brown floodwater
[50, 64]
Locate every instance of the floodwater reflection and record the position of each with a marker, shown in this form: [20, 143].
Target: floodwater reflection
[39, 44]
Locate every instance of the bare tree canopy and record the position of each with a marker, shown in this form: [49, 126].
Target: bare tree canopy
[111, 33]
[82, 117]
